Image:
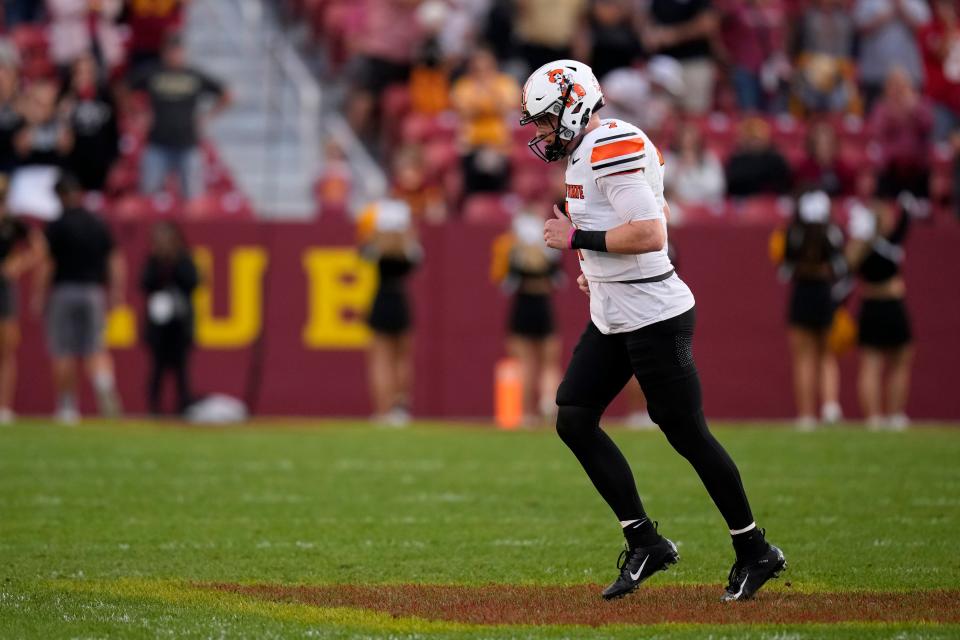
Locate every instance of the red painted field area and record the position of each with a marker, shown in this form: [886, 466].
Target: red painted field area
[582, 605]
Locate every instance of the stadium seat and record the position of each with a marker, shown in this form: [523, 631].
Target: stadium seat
[762, 210]
[487, 209]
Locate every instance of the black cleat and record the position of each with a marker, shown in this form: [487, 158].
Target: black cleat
[639, 564]
[745, 580]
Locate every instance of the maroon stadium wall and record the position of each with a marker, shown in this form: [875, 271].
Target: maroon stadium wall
[279, 322]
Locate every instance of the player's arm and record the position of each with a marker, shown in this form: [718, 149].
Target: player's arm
[633, 199]
[635, 237]
[862, 229]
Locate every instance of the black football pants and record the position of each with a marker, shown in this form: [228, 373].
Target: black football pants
[660, 357]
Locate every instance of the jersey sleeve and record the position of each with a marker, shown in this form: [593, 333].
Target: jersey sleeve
[619, 149]
[631, 197]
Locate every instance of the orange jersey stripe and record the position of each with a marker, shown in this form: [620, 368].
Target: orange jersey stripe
[614, 149]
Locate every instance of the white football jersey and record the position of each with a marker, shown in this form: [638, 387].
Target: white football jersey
[617, 147]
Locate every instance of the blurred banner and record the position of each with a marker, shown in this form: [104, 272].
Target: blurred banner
[280, 321]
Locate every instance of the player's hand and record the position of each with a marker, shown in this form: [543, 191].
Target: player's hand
[556, 231]
[584, 284]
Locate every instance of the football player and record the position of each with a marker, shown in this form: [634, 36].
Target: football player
[642, 321]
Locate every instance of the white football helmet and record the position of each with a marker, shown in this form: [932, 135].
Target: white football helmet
[566, 89]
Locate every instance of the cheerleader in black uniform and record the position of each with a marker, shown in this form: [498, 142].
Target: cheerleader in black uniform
[814, 263]
[20, 250]
[389, 239]
[531, 272]
[875, 252]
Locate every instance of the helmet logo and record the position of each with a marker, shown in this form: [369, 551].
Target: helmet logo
[557, 76]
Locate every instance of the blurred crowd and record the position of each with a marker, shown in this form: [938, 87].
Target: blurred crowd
[100, 115]
[101, 90]
[749, 99]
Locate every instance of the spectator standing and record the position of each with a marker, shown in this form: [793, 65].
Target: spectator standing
[686, 30]
[384, 50]
[611, 39]
[175, 91]
[430, 73]
[498, 22]
[388, 238]
[756, 166]
[888, 39]
[42, 144]
[19, 250]
[823, 42]
[80, 27]
[168, 280]
[93, 120]
[151, 23]
[11, 119]
[83, 273]
[646, 94]
[545, 29]
[45, 137]
[940, 42]
[754, 47]
[822, 168]
[901, 126]
[484, 97]
[692, 174]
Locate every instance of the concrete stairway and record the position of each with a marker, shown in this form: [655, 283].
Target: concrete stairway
[270, 138]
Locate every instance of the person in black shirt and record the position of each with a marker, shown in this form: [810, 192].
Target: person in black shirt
[93, 120]
[175, 92]
[19, 249]
[82, 261]
[610, 40]
[44, 138]
[391, 242]
[685, 30]
[875, 251]
[756, 166]
[41, 145]
[168, 280]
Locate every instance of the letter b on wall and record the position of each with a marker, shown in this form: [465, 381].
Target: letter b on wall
[341, 286]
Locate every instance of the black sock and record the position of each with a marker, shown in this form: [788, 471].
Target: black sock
[749, 545]
[641, 533]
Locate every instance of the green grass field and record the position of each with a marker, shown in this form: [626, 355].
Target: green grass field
[120, 530]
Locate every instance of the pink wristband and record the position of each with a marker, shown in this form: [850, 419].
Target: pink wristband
[573, 230]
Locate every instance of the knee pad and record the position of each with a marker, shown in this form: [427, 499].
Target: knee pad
[572, 421]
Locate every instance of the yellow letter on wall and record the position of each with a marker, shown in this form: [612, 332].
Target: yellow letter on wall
[243, 323]
[339, 282]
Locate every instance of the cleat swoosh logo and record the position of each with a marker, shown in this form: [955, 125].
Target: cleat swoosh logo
[742, 585]
[634, 576]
